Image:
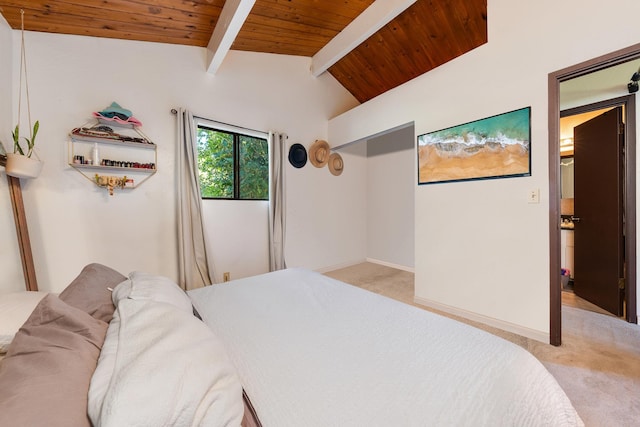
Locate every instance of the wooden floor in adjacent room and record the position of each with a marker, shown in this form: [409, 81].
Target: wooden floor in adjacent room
[598, 363]
[570, 299]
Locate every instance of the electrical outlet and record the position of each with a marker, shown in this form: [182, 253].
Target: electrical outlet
[226, 276]
[533, 196]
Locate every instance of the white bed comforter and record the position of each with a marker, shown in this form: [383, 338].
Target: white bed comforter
[313, 351]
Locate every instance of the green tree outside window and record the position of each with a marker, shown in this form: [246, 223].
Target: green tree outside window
[232, 165]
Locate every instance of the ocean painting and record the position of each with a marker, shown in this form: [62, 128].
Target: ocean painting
[494, 147]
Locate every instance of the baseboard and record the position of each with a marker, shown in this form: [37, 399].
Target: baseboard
[392, 265]
[490, 321]
[339, 266]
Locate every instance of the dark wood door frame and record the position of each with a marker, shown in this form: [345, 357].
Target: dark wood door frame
[554, 80]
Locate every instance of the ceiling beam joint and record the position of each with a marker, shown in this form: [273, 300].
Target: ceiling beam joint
[231, 19]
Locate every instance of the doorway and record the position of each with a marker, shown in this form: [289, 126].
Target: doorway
[629, 186]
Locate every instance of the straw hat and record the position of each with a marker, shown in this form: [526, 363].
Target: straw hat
[297, 155]
[319, 153]
[336, 164]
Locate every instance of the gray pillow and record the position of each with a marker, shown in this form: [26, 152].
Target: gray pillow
[45, 376]
[89, 292]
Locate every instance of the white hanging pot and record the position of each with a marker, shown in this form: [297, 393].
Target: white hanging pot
[20, 166]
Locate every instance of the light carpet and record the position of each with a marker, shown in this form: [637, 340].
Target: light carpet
[597, 365]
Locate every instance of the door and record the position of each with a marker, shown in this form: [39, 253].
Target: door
[598, 210]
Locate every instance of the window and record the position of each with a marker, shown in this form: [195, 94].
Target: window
[232, 164]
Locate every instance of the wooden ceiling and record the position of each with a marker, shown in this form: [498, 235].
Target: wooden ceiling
[424, 36]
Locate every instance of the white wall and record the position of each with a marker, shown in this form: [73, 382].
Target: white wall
[245, 224]
[391, 164]
[329, 219]
[10, 263]
[481, 248]
[6, 101]
[72, 222]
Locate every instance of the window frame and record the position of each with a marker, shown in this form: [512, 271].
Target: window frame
[237, 133]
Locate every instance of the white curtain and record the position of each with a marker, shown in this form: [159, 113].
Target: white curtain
[277, 201]
[193, 266]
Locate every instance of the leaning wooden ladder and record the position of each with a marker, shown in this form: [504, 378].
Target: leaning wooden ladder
[28, 269]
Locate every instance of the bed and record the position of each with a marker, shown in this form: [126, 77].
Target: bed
[288, 348]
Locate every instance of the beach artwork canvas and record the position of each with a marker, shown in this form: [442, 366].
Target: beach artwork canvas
[494, 147]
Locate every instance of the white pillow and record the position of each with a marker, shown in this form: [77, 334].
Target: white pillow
[144, 286]
[15, 308]
[161, 366]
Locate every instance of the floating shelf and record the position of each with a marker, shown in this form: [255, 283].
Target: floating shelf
[122, 151]
[113, 168]
[92, 139]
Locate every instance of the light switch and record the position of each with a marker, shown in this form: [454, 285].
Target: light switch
[533, 196]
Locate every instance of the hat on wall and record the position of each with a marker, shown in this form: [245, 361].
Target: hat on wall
[336, 165]
[319, 153]
[115, 113]
[297, 155]
[116, 110]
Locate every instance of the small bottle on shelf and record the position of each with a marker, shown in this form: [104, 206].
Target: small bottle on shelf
[96, 154]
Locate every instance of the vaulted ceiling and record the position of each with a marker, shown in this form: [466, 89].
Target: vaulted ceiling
[426, 34]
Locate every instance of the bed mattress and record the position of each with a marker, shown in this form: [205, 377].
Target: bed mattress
[313, 351]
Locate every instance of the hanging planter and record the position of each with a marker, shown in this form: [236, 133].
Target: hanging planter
[20, 164]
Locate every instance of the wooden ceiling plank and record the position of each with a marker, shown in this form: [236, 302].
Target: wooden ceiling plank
[116, 34]
[183, 8]
[339, 10]
[108, 24]
[279, 25]
[312, 23]
[279, 47]
[308, 17]
[117, 10]
[425, 36]
[99, 27]
[376, 16]
[311, 42]
[428, 34]
[232, 17]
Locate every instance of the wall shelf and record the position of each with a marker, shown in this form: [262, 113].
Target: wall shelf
[130, 158]
[113, 168]
[92, 139]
